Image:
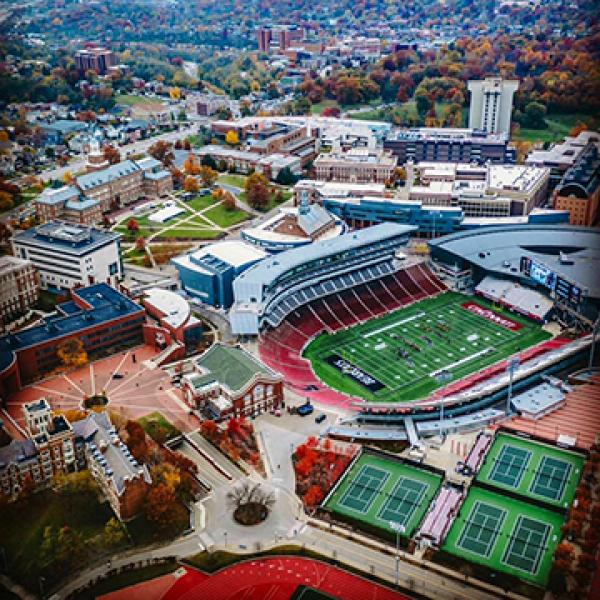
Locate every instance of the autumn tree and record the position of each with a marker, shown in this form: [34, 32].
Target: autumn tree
[232, 138]
[113, 533]
[140, 244]
[162, 151]
[191, 184]
[72, 353]
[111, 154]
[258, 192]
[68, 178]
[228, 200]
[163, 509]
[133, 226]
[208, 175]
[6, 201]
[191, 166]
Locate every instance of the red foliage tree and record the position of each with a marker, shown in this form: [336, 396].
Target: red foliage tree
[314, 495]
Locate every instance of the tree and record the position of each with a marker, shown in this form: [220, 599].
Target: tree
[133, 226]
[72, 353]
[232, 138]
[209, 429]
[208, 175]
[162, 151]
[163, 509]
[313, 496]
[113, 534]
[228, 200]
[331, 111]
[111, 154]
[68, 178]
[191, 184]
[140, 244]
[209, 161]
[534, 117]
[175, 93]
[257, 191]
[286, 177]
[190, 166]
[6, 201]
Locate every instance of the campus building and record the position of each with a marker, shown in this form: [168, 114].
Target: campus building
[579, 190]
[435, 144]
[121, 478]
[208, 273]
[48, 452]
[102, 318]
[19, 287]
[103, 189]
[228, 381]
[95, 59]
[357, 165]
[67, 255]
[318, 190]
[293, 227]
[274, 287]
[491, 103]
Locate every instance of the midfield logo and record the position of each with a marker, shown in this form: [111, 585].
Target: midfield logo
[490, 315]
[347, 368]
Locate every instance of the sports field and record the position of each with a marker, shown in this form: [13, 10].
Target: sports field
[407, 354]
[532, 469]
[506, 535]
[377, 490]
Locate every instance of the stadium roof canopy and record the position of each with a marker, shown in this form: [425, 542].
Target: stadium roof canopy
[572, 252]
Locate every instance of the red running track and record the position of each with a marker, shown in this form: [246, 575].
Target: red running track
[275, 578]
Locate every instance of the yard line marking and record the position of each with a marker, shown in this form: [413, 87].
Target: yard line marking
[462, 360]
[395, 324]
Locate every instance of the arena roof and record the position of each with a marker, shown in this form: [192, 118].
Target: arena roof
[269, 269]
[499, 250]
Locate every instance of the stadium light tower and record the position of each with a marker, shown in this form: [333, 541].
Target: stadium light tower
[398, 528]
[513, 363]
[595, 330]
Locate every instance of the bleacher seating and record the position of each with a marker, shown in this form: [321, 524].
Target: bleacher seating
[441, 515]
[281, 346]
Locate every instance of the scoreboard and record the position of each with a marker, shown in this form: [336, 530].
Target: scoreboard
[564, 290]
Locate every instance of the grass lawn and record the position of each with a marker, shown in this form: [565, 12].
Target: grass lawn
[193, 234]
[404, 113]
[377, 490]
[287, 194]
[201, 202]
[505, 535]
[410, 352]
[131, 99]
[23, 525]
[158, 428]
[559, 126]
[520, 466]
[226, 218]
[232, 179]
[317, 109]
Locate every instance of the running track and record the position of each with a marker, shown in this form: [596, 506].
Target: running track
[262, 579]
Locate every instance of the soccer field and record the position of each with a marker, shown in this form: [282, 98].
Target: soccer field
[377, 490]
[532, 469]
[407, 354]
[505, 535]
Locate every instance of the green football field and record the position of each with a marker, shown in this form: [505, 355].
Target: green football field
[409, 353]
[506, 535]
[377, 490]
[533, 470]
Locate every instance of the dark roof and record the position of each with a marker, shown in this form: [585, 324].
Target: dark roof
[583, 178]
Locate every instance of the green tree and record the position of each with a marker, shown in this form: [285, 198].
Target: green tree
[286, 177]
[113, 534]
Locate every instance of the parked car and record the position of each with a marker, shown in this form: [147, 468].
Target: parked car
[305, 410]
[320, 418]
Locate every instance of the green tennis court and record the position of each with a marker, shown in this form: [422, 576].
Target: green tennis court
[507, 535]
[378, 490]
[532, 469]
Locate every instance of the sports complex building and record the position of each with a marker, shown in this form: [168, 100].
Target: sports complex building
[419, 347]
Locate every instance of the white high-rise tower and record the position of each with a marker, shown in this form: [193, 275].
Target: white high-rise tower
[491, 104]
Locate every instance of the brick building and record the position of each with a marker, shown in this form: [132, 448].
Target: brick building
[358, 165]
[19, 287]
[96, 59]
[228, 381]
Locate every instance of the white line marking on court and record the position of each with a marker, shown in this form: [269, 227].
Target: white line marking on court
[396, 324]
[461, 361]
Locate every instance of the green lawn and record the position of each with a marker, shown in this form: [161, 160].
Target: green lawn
[23, 525]
[527, 480]
[131, 99]
[201, 202]
[226, 218]
[273, 203]
[377, 490]
[497, 541]
[415, 350]
[195, 234]
[231, 179]
[158, 428]
[559, 126]
[319, 107]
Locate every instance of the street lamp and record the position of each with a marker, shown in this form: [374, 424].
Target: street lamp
[513, 363]
[398, 528]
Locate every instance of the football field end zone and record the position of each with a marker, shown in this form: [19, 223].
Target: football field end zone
[399, 467]
[419, 385]
[539, 448]
[515, 508]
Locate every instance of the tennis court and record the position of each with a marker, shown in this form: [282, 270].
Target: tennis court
[363, 490]
[510, 465]
[482, 528]
[504, 534]
[527, 545]
[532, 469]
[378, 490]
